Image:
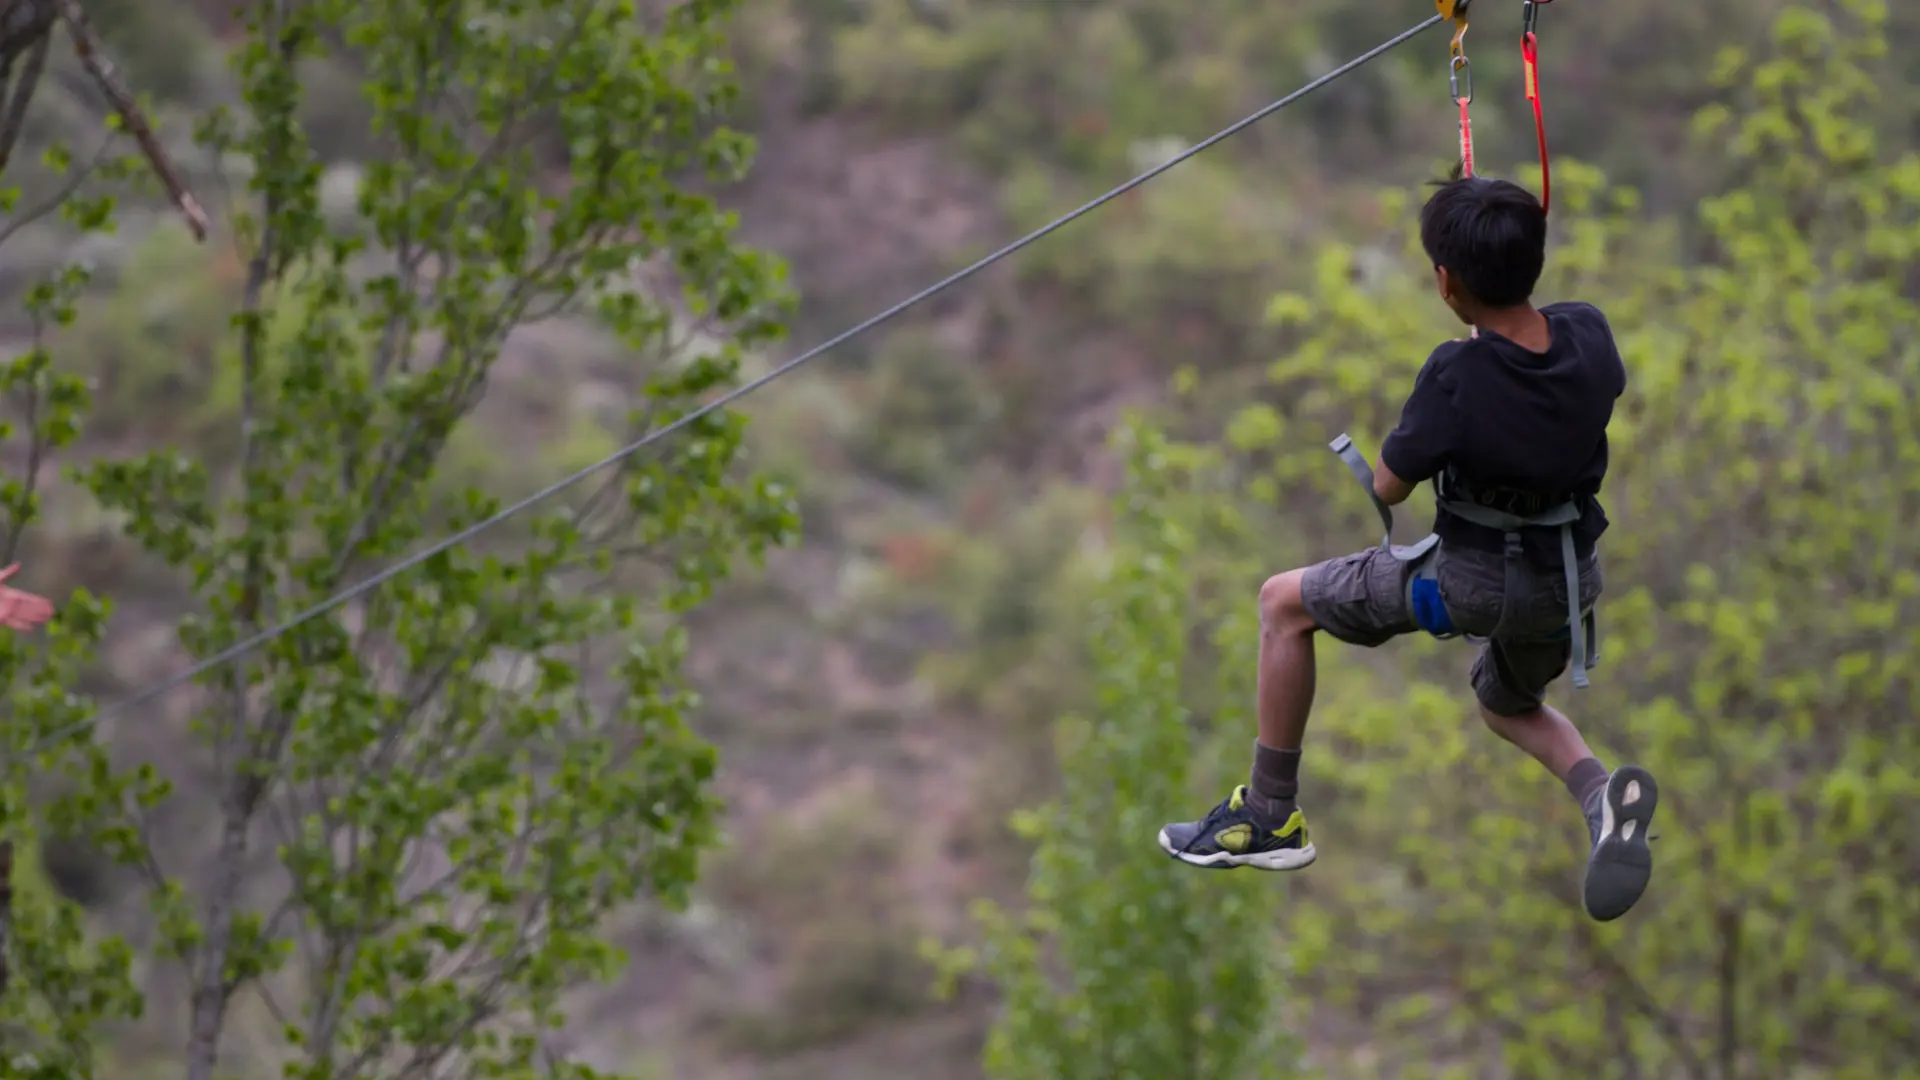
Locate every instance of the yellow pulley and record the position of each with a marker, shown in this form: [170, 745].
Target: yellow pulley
[1456, 12]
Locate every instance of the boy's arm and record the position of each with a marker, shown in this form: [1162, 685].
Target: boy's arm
[1390, 489]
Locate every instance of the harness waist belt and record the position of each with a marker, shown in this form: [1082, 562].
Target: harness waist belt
[1581, 624]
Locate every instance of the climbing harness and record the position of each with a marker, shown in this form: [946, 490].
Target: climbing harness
[1460, 83]
[366, 585]
[1423, 583]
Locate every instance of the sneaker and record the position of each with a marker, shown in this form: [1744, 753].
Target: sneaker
[1232, 836]
[1621, 861]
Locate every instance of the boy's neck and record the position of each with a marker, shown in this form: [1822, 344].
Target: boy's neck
[1522, 324]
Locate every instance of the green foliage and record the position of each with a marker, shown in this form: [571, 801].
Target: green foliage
[1075, 84]
[1016, 599]
[150, 345]
[832, 906]
[1182, 260]
[1757, 620]
[1058, 101]
[927, 414]
[62, 983]
[465, 772]
[1124, 965]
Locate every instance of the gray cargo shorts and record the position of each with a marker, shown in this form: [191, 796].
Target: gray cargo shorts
[1361, 599]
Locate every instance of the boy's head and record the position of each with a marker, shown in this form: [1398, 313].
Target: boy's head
[1487, 240]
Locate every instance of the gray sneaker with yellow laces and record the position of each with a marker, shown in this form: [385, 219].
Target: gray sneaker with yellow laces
[1233, 835]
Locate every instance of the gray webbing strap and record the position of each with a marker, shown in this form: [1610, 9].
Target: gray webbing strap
[1576, 619]
[1565, 514]
[1363, 472]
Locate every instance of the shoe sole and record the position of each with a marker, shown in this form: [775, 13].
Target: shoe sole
[1283, 859]
[1622, 862]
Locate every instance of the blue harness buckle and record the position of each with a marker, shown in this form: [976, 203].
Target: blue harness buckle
[1429, 611]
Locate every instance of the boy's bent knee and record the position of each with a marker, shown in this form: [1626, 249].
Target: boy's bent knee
[1510, 679]
[1282, 611]
[1504, 702]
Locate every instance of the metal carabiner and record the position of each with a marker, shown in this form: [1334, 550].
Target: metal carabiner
[1529, 13]
[1461, 73]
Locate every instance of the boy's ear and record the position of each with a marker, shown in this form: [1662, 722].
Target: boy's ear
[1443, 281]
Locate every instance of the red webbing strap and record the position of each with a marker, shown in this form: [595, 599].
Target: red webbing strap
[1466, 136]
[1530, 56]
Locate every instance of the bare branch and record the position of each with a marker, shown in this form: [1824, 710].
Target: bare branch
[20, 95]
[87, 47]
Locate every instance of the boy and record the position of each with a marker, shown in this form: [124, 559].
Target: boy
[1514, 415]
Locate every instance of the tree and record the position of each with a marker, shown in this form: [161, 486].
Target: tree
[429, 800]
[1125, 965]
[1759, 590]
[60, 984]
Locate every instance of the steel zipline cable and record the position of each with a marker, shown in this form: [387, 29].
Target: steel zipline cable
[352, 592]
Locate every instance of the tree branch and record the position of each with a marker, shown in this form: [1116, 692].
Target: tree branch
[87, 47]
[52, 202]
[20, 95]
[246, 786]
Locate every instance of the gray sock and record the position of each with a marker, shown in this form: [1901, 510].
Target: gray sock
[1275, 784]
[1585, 782]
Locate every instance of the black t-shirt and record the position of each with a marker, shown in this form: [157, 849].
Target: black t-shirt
[1502, 416]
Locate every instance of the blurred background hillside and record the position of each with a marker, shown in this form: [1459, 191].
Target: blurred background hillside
[1736, 183]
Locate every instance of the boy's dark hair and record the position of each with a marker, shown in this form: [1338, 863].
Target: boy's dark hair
[1491, 235]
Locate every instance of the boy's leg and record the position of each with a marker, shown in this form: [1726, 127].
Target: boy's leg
[1510, 679]
[1359, 599]
[1283, 691]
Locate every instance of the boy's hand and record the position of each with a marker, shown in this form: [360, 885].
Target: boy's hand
[21, 610]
